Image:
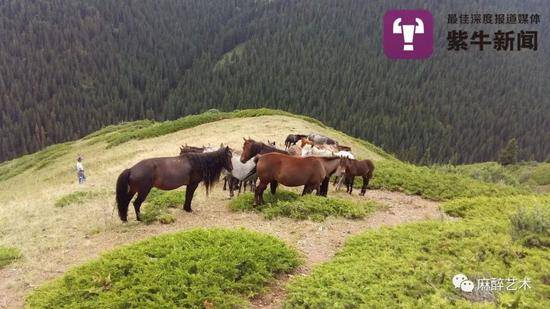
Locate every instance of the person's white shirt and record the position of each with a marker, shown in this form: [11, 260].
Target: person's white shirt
[79, 166]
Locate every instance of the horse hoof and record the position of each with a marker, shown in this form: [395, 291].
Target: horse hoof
[188, 210]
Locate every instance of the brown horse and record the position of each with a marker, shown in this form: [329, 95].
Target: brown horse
[191, 149]
[310, 172]
[304, 141]
[169, 173]
[292, 139]
[251, 148]
[352, 168]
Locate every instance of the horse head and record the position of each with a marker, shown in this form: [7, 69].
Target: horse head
[247, 150]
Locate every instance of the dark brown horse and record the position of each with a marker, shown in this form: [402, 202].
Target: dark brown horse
[292, 139]
[310, 172]
[352, 168]
[251, 148]
[169, 173]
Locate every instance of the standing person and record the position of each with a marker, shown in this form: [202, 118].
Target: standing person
[80, 170]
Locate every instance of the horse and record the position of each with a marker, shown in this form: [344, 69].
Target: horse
[352, 168]
[295, 150]
[168, 173]
[242, 173]
[343, 148]
[319, 139]
[318, 151]
[310, 172]
[345, 154]
[292, 139]
[191, 149]
[251, 148]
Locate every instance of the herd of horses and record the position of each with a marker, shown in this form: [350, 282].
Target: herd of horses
[307, 160]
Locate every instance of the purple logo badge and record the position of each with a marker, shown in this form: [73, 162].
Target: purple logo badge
[408, 34]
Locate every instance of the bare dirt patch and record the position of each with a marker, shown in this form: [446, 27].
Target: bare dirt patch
[318, 241]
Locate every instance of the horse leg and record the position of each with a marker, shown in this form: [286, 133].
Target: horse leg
[319, 189]
[224, 183]
[308, 189]
[189, 191]
[273, 187]
[324, 187]
[350, 181]
[231, 187]
[335, 181]
[342, 179]
[142, 195]
[253, 184]
[259, 192]
[364, 187]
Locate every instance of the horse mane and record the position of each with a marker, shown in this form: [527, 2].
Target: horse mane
[329, 158]
[210, 165]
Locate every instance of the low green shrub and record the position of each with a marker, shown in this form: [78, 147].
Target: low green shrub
[116, 135]
[8, 255]
[308, 207]
[531, 227]
[541, 174]
[411, 266]
[491, 172]
[492, 208]
[78, 197]
[219, 267]
[157, 203]
[432, 184]
[167, 218]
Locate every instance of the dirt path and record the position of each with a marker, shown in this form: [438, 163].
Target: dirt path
[318, 241]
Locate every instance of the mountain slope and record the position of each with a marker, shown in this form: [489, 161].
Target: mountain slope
[69, 68]
[53, 238]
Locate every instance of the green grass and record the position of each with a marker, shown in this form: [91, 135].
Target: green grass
[308, 207]
[411, 266]
[116, 135]
[188, 269]
[8, 255]
[76, 198]
[157, 203]
[522, 174]
[433, 184]
[37, 160]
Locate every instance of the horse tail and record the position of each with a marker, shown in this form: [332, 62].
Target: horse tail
[371, 169]
[122, 195]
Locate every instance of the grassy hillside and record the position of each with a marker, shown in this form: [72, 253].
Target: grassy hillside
[412, 266]
[391, 173]
[534, 175]
[84, 223]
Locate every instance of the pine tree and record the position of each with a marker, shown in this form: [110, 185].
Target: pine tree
[509, 154]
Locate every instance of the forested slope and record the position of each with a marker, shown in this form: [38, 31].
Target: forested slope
[68, 68]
